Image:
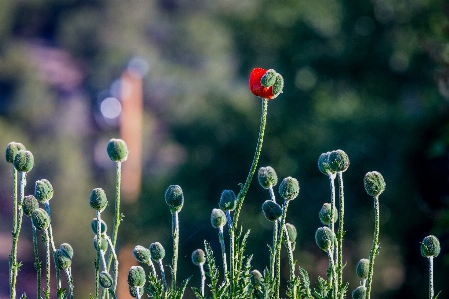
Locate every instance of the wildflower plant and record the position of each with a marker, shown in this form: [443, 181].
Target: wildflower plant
[237, 278]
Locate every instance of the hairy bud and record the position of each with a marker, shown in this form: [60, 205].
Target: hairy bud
[324, 238]
[174, 198]
[11, 151]
[430, 246]
[271, 210]
[289, 188]
[117, 150]
[267, 177]
[228, 200]
[374, 183]
[198, 257]
[24, 161]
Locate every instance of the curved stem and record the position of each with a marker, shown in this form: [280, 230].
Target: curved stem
[114, 255]
[223, 252]
[375, 249]
[161, 266]
[175, 236]
[431, 277]
[340, 231]
[37, 263]
[117, 216]
[68, 274]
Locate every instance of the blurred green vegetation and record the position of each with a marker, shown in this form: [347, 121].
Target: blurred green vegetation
[368, 77]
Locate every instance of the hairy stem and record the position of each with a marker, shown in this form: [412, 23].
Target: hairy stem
[161, 266]
[340, 231]
[68, 274]
[203, 278]
[223, 252]
[47, 264]
[330, 254]
[431, 294]
[15, 237]
[275, 236]
[278, 250]
[117, 216]
[53, 250]
[175, 236]
[98, 257]
[37, 263]
[374, 249]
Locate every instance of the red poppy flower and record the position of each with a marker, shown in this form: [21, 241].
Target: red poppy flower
[256, 86]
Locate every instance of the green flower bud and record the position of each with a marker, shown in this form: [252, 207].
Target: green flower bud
[289, 188]
[133, 291]
[142, 254]
[278, 86]
[228, 200]
[24, 161]
[43, 190]
[136, 276]
[362, 269]
[374, 183]
[198, 257]
[269, 78]
[29, 204]
[359, 293]
[325, 214]
[11, 151]
[98, 200]
[430, 246]
[105, 280]
[291, 232]
[157, 251]
[257, 278]
[271, 210]
[324, 238]
[103, 226]
[174, 198]
[323, 164]
[40, 218]
[67, 250]
[62, 261]
[117, 150]
[267, 177]
[218, 218]
[338, 161]
[103, 244]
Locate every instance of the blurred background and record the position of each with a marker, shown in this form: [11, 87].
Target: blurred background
[170, 77]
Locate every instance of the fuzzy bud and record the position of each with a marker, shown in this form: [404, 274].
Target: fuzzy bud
[40, 219]
[325, 214]
[198, 257]
[67, 250]
[117, 150]
[43, 190]
[94, 225]
[29, 204]
[271, 210]
[142, 254]
[430, 246]
[289, 188]
[24, 161]
[324, 238]
[269, 78]
[11, 151]
[257, 278]
[63, 262]
[105, 280]
[359, 293]
[228, 200]
[291, 232]
[278, 85]
[267, 177]
[338, 161]
[174, 198]
[136, 276]
[362, 269]
[157, 251]
[98, 200]
[103, 244]
[218, 218]
[374, 183]
[133, 291]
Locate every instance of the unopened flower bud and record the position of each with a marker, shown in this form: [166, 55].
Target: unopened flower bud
[362, 269]
[67, 250]
[271, 210]
[324, 238]
[136, 276]
[40, 219]
[228, 200]
[374, 183]
[103, 244]
[359, 293]
[278, 85]
[105, 280]
[11, 151]
[29, 204]
[268, 78]
[43, 190]
[142, 254]
[325, 214]
[94, 226]
[323, 164]
[257, 278]
[218, 218]
[174, 198]
[133, 291]
[98, 200]
[24, 161]
[62, 261]
[338, 161]
[157, 251]
[430, 246]
[289, 188]
[117, 150]
[267, 177]
[198, 257]
[291, 232]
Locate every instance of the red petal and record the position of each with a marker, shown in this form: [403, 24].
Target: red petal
[256, 87]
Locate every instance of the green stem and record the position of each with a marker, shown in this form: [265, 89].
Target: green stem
[161, 266]
[117, 217]
[175, 235]
[232, 249]
[340, 231]
[47, 264]
[37, 263]
[278, 250]
[374, 249]
[15, 237]
[203, 278]
[431, 294]
[98, 257]
[291, 261]
[68, 274]
[53, 250]
[223, 252]
[275, 235]
[114, 255]
[330, 254]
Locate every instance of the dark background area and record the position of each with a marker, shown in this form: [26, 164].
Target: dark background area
[368, 77]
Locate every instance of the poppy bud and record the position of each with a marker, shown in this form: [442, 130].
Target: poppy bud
[136, 276]
[24, 161]
[338, 161]
[142, 254]
[267, 177]
[362, 269]
[324, 238]
[105, 280]
[430, 246]
[103, 226]
[271, 210]
[198, 257]
[359, 293]
[325, 214]
[98, 200]
[218, 218]
[174, 198]
[157, 251]
[103, 244]
[323, 164]
[29, 204]
[228, 200]
[289, 188]
[374, 183]
[266, 84]
[63, 262]
[268, 78]
[11, 151]
[40, 218]
[117, 150]
[278, 85]
[291, 232]
[257, 278]
[67, 250]
[43, 190]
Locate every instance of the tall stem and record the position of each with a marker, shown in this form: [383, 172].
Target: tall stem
[118, 216]
[37, 263]
[164, 281]
[275, 235]
[175, 236]
[431, 277]
[330, 254]
[68, 274]
[15, 238]
[374, 249]
[203, 278]
[278, 250]
[53, 250]
[47, 264]
[223, 252]
[340, 231]
[98, 257]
